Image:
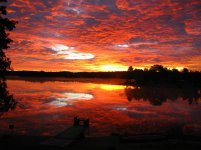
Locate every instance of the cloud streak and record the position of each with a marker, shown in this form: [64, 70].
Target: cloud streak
[70, 53]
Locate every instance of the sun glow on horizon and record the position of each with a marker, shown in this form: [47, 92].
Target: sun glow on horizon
[113, 67]
[178, 68]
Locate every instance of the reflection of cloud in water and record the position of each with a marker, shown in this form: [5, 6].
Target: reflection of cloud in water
[68, 99]
[80, 96]
[120, 108]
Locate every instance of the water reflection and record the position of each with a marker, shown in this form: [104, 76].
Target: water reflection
[7, 101]
[120, 108]
[108, 87]
[67, 99]
[158, 95]
[48, 108]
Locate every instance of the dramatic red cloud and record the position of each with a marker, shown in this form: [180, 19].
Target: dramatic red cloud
[105, 35]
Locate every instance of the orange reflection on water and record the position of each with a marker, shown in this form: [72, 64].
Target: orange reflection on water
[108, 87]
[49, 107]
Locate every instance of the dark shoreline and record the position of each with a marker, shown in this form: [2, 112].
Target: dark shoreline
[67, 74]
[133, 78]
[111, 81]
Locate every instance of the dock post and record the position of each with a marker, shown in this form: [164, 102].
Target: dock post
[76, 121]
[86, 123]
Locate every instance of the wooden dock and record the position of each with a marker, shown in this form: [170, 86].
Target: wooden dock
[68, 136]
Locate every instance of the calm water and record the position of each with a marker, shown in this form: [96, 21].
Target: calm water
[49, 107]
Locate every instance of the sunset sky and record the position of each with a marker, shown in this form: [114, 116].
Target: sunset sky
[105, 35]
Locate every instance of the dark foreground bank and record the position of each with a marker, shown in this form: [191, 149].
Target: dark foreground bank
[113, 142]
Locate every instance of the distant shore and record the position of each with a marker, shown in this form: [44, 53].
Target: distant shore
[111, 81]
[67, 74]
[134, 77]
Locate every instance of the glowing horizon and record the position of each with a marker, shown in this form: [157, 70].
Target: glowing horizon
[104, 35]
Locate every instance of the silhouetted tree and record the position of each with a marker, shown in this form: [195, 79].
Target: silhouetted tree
[129, 75]
[130, 69]
[158, 68]
[185, 70]
[6, 25]
[175, 70]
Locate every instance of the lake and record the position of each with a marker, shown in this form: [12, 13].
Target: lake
[46, 108]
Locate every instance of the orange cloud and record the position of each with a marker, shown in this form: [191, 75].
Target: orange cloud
[117, 33]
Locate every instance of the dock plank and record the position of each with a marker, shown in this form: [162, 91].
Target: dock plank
[71, 133]
[66, 137]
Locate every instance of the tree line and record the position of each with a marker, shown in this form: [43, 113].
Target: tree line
[158, 74]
